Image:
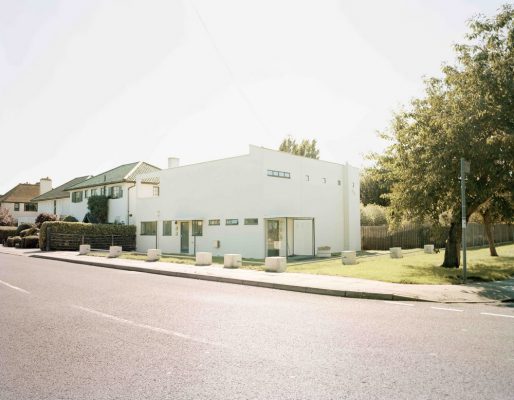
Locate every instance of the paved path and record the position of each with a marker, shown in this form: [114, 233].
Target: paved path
[71, 331]
[319, 284]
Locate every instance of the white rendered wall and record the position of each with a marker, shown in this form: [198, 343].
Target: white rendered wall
[240, 188]
[28, 217]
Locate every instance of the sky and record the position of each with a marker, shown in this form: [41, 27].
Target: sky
[87, 85]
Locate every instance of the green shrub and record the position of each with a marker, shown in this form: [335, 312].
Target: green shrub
[98, 207]
[70, 218]
[44, 217]
[5, 232]
[80, 228]
[22, 227]
[13, 241]
[373, 215]
[30, 242]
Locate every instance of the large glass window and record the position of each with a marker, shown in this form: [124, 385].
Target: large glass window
[149, 228]
[115, 192]
[94, 192]
[166, 228]
[30, 207]
[197, 228]
[76, 197]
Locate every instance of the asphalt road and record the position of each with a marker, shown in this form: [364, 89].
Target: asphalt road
[70, 331]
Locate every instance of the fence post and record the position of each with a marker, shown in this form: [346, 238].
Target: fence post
[112, 240]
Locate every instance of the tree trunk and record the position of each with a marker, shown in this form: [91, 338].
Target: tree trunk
[452, 248]
[488, 227]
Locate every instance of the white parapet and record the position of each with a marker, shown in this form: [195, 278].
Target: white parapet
[114, 251]
[275, 264]
[428, 248]
[324, 252]
[232, 260]
[349, 257]
[395, 252]
[153, 254]
[84, 249]
[203, 258]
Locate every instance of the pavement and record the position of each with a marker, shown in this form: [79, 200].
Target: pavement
[489, 292]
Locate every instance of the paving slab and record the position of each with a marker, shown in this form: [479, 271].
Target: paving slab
[489, 292]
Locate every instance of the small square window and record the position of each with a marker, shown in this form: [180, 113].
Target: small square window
[232, 221]
[251, 221]
[156, 191]
[197, 228]
[339, 183]
[16, 206]
[149, 228]
[324, 180]
[307, 178]
[214, 222]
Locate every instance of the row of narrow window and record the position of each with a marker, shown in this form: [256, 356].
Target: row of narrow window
[150, 227]
[114, 192]
[287, 175]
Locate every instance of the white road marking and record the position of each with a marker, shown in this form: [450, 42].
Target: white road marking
[497, 315]
[447, 309]
[14, 287]
[398, 303]
[149, 327]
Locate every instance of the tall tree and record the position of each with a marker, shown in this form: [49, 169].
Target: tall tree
[467, 113]
[306, 148]
[374, 187]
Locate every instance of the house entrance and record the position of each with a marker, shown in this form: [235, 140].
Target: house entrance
[273, 237]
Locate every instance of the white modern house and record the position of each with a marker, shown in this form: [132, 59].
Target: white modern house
[263, 203]
[57, 201]
[118, 184]
[19, 202]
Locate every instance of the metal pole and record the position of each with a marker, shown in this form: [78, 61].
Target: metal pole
[464, 168]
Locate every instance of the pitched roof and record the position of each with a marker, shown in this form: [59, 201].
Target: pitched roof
[60, 191]
[21, 193]
[123, 173]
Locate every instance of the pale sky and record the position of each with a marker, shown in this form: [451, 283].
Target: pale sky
[87, 85]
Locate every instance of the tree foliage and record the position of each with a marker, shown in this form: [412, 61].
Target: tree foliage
[373, 215]
[375, 187]
[6, 218]
[98, 209]
[469, 113]
[306, 148]
[44, 217]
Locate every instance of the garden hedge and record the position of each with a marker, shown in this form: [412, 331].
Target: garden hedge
[78, 229]
[22, 227]
[12, 241]
[5, 232]
[30, 242]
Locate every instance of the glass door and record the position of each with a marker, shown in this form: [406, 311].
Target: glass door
[273, 237]
[184, 237]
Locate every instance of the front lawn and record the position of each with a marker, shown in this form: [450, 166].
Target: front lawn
[418, 267]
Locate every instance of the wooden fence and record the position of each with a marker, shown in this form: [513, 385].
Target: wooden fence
[416, 236]
[72, 241]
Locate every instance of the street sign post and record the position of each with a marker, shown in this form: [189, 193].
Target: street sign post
[464, 169]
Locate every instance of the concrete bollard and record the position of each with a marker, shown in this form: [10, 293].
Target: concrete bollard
[84, 249]
[275, 264]
[153, 254]
[203, 258]
[428, 248]
[349, 257]
[324, 252]
[395, 252]
[232, 260]
[114, 251]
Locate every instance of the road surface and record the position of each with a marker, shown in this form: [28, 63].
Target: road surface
[71, 331]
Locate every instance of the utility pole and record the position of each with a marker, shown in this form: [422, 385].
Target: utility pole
[464, 169]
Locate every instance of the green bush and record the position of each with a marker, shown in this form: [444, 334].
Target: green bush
[80, 228]
[22, 227]
[44, 217]
[98, 207]
[13, 241]
[5, 232]
[70, 218]
[30, 242]
[373, 215]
